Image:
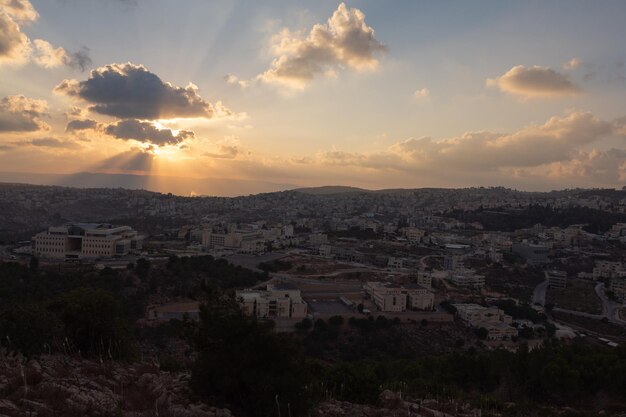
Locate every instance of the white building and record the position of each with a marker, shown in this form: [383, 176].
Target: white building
[277, 301]
[608, 269]
[466, 278]
[556, 279]
[86, 241]
[245, 241]
[493, 319]
[617, 285]
[390, 297]
[425, 279]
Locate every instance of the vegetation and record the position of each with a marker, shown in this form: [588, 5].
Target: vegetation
[241, 363]
[519, 311]
[275, 266]
[508, 220]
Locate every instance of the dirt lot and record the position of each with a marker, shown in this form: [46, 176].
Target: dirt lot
[578, 296]
[516, 283]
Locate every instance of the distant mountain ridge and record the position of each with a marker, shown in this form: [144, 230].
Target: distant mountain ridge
[221, 187]
[331, 189]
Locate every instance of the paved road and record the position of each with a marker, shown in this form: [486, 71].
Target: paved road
[539, 294]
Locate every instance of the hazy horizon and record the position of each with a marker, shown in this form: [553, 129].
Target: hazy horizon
[204, 187]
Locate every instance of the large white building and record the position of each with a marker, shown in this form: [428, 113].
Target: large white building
[245, 241]
[390, 297]
[493, 319]
[86, 241]
[277, 301]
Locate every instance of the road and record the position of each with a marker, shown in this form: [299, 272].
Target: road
[539, 294]
[610, 309]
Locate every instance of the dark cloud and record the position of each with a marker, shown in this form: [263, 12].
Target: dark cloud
[131, 91]
[80, 59]
[146, 132]
[81, 124]
[22, 114]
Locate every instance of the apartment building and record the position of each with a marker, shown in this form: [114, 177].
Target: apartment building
[556, 279]
[277, 301]
[617, 285]
[245, 241]
[608, 269]
[466, 278]
[425, 279]
[390, 297]
[86, 241]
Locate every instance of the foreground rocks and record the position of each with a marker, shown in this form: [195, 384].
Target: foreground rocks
[62, 386]
[391, 404]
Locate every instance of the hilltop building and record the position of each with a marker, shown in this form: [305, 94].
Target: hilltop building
[76, 241]
[277, 301]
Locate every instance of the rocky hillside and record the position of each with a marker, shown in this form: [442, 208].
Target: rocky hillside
[62, 386]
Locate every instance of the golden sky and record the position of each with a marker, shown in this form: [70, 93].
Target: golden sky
[367, 93]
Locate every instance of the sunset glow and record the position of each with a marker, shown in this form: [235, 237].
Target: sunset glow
[365, 94]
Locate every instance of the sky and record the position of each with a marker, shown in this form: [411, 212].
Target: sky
[409, 93]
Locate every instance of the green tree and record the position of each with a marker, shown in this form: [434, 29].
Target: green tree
[243, 364]
[94, 324]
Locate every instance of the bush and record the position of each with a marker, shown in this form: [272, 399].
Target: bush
[335, 321]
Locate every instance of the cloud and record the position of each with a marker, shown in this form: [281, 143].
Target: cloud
[22, 114]
[79, 59]
[533, 145]
[146, 132]
[48, 56]
[224, 152]
[234, 80]
[572, 64]
[131, 91]
[488, 158]
[608, 167]
[53, 143]
[345, 40]
[19, 10]
[17, 48]
[534, 81]
[421, 93]
[81, 124]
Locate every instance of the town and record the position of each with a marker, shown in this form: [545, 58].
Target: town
[494, 267]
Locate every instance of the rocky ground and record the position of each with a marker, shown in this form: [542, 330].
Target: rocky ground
[394, 405]
[62, 386]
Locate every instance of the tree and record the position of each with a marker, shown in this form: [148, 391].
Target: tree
[34, 263]
[243, 364]
[94, 324]
[482, 333]
[142, 267]
[30, 329]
